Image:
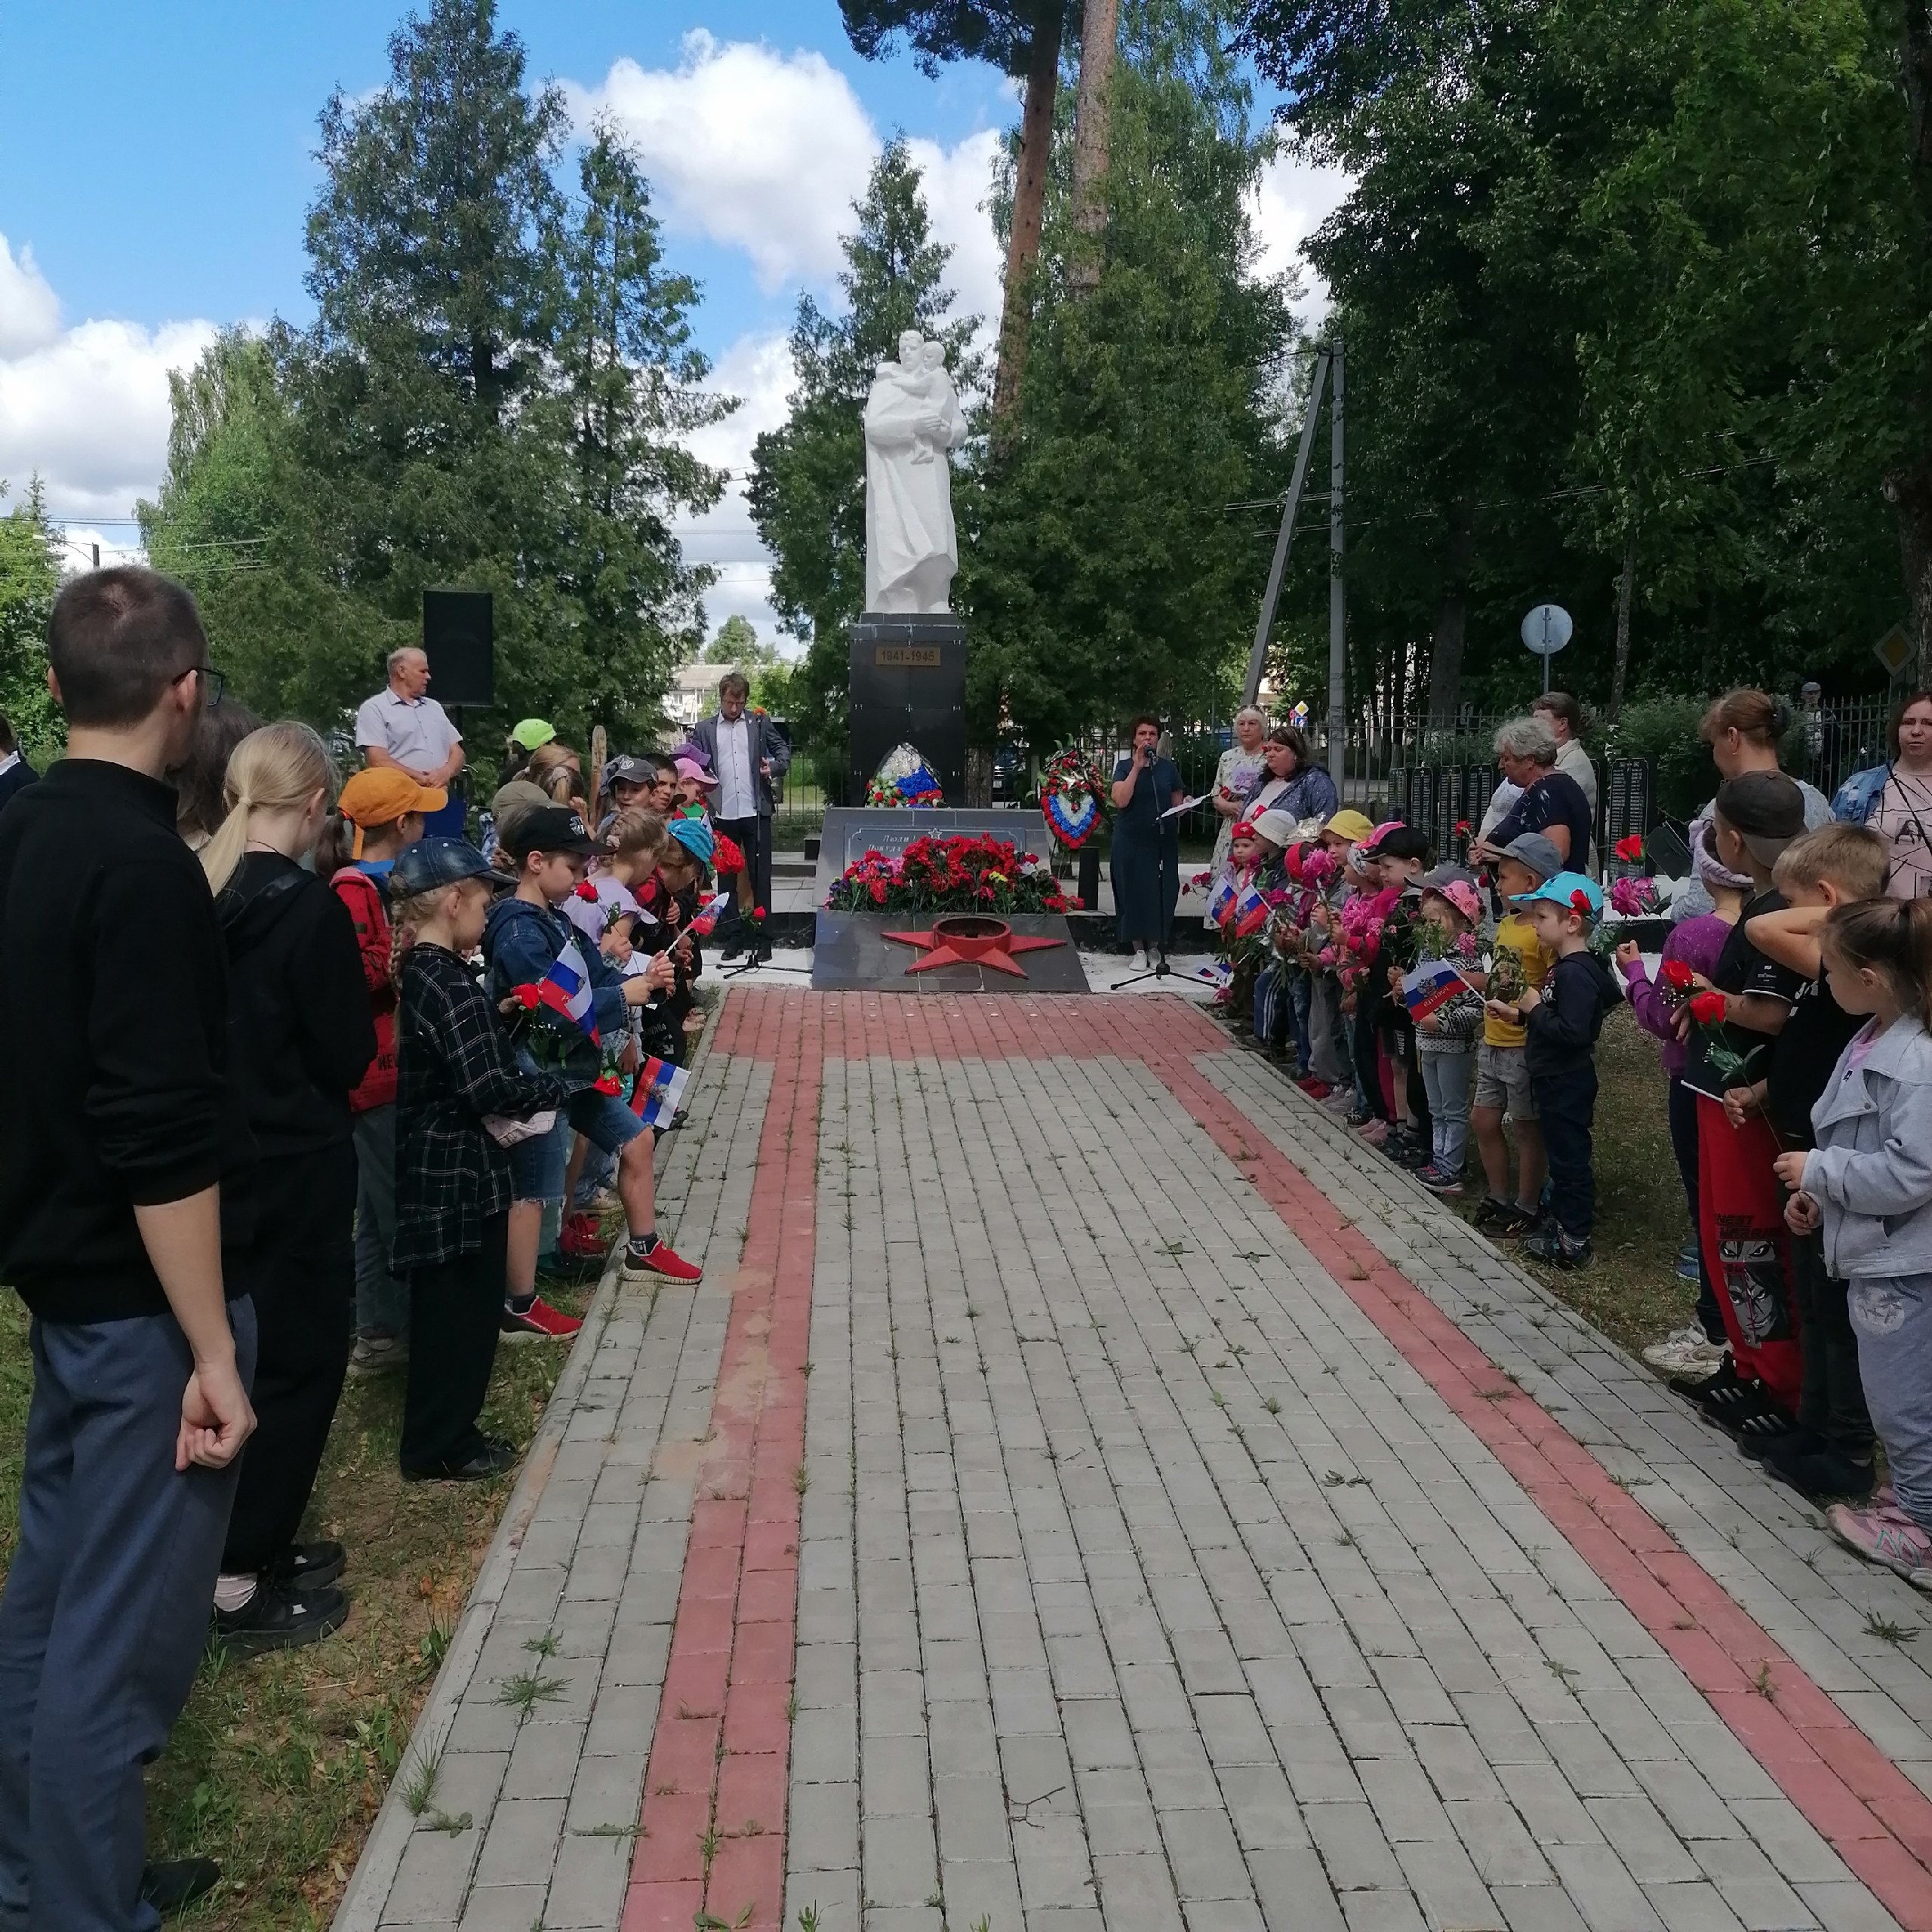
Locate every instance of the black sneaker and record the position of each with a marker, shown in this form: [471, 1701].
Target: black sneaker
[276, 1618]
[172, 1884]
[1806, 1462]
[1552, 1246]
[494, 1458]
[309, 1566]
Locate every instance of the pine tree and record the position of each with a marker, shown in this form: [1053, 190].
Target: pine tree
[807, 488]
[29, 577]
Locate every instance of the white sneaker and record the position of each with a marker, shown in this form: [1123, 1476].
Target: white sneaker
[1686, 1353]
[1140, 959]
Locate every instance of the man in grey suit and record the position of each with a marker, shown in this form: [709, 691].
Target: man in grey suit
[750, 758]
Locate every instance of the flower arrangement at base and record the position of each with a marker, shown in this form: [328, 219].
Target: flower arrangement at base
[904, 778]
[1073, 799]
[956, 874]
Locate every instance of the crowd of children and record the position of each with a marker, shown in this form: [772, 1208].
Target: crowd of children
[1429, 1004]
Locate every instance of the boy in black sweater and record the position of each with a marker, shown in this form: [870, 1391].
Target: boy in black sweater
[1564, 1017]
[124, 1161]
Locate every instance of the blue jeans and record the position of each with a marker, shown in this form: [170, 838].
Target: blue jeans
[104, 1614]
[537, 1166]
[1445, 1078]
[1566, 1106]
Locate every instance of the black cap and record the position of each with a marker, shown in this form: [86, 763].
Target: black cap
[430, 864]
[550, 829]
[1765, 808]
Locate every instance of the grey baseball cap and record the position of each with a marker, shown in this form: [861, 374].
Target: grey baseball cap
[630, 770]
[430, 864]
[1538, 853]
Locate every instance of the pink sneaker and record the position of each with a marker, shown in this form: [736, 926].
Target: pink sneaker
[1374, 1132]
[1883, 1533]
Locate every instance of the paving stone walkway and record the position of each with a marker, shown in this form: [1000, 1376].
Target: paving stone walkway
[1089, 1491]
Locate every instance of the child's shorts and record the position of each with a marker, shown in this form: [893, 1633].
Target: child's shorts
[537, 1167]
[1502, 1081]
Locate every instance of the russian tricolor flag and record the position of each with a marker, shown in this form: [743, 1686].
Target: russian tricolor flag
[565, 989]
[706, 917]
[1221, 901]
[659, 1091]
[1250, 913]
[1432, 984]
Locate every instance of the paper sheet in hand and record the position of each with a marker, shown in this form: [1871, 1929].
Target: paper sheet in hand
[1186, 805]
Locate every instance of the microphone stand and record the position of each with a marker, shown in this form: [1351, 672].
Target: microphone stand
[1157, 971]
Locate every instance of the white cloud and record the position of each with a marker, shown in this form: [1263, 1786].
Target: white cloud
[766, 151]
[29, 310]
[87, 410]
[1292, 199]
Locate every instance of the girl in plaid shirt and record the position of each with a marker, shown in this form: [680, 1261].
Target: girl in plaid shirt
[455, 1070]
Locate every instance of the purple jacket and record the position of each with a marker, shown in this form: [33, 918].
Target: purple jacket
[1696, 941]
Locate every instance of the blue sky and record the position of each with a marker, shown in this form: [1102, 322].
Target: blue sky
[156, 161]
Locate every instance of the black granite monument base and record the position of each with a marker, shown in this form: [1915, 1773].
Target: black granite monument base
[909, 687]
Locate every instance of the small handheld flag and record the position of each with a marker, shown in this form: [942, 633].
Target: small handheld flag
[1221, 901]
[565, 989]
[1250, 913]
[659, 1091]
[1432, 984]
[705, 920]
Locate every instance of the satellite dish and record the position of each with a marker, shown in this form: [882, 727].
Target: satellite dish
[1547, 629]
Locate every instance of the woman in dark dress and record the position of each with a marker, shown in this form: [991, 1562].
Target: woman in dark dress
[1146, 848]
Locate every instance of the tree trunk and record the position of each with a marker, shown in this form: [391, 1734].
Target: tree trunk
[1029, 201]
[1445, 656]
[1909, 491]
[1100, 36]
[1626, 588]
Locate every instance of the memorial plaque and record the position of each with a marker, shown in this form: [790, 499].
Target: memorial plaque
[909, 687]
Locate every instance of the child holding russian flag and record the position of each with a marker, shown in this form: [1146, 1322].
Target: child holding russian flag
[530, 948]
[1446, 1010]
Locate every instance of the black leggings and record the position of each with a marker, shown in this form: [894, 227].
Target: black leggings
[1683, 1113]
[456, 1311]
[301, 1273]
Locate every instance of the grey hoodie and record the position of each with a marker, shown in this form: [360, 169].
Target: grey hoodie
[1872, 1170]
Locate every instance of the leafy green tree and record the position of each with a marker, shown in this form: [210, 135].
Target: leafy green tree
[1101, 567]
[29, 577]
[807, 485]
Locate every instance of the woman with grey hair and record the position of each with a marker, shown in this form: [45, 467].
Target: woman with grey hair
[1240, 766]
[1552, 802]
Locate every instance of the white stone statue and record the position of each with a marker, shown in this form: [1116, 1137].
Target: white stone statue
[913, 420]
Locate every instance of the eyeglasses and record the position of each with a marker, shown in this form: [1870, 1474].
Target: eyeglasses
[213, 684]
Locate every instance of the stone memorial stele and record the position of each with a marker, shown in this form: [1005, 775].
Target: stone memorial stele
[913, 422]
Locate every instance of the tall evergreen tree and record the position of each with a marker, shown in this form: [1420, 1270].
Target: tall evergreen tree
[29, 577]
[808, 486]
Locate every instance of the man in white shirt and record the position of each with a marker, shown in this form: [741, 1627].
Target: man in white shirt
[404, 726]
[748, 755]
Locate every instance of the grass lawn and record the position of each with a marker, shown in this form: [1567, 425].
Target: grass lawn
[277, 1766]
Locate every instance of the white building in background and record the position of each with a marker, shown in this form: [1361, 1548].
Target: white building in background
[694, 694]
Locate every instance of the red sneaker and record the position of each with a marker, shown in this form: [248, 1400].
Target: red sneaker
[539, 1322]
[583, 1234]
[662, 1261]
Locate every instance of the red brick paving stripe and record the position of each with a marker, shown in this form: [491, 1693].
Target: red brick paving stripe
[720, 1753]
[1872, 1815]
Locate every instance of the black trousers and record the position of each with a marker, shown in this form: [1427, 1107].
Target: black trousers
[1830, 1397]
[456, 1310]
[754, 836]
[1683, 1110]
[301, 1273]
[1566, 1106]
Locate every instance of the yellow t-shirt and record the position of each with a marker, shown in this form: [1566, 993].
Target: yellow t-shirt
[1515, 934]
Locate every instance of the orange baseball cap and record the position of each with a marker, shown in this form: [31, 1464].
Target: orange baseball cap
[381, 794]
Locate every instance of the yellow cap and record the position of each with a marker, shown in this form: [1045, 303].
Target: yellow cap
[1352, 825]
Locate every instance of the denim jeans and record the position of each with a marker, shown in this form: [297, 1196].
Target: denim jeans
[1446, 1077]
[1566, 1104]
[381, 1301]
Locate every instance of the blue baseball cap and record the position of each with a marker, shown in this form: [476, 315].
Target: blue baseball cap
[430, 864]
[1560, 889]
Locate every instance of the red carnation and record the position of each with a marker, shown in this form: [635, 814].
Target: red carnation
[528, 998]
[878, 893]
[584, 889]
[1579, 902]
[1678, 975]
[1630, 850]
[608, 1083]
[758, 911]
[1707, 1008]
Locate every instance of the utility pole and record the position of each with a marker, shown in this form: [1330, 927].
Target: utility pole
[1257, 658]
[1338, 595]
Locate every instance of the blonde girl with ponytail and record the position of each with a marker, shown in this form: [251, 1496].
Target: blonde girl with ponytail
[280, 781]
[300, 1037]
[1868, 1183]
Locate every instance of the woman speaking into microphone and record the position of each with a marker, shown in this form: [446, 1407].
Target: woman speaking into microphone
[1146, 848]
